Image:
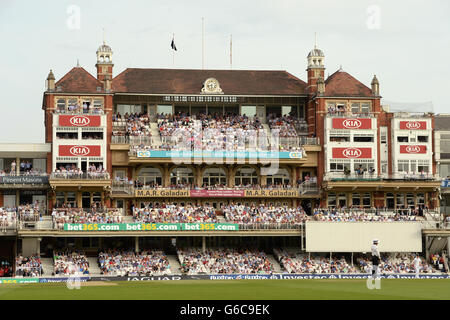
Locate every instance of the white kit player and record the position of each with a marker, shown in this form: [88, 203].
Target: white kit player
[376, 258]
[417, 263]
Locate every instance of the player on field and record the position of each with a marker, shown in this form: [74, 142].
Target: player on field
[375, 259]
[417, 264]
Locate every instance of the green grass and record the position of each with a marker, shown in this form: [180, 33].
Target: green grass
[397, 289]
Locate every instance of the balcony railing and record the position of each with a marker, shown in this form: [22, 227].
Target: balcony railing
[309, 187]
[347, 114]
[80, 176]
[91, 111]
[366, 176]
[133, 140]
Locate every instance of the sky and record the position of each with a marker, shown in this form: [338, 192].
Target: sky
[406, 44]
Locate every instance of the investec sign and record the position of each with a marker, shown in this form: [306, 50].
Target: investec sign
[352, 124]
[79, 121]
[79, 151]
[352, 153]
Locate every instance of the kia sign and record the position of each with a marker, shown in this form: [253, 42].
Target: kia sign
[352, 153]
[79, 151]
[413, 149]
[352, 124]
[79, 121]
[413, 125]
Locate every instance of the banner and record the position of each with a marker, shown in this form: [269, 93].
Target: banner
[352, 123]
[184, 193]
[413, 125]
[351, 153]
[219, 154]
[19, 280]
[64, 279]
[413, 149]
[150, 227]
[28, 179]
[79, 121]
[217, 193]
[79, 151]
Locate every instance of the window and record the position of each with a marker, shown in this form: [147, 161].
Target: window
[383, 135]
[245, 176]
[162, 109]
[332, 200]
[403, 166]
[363, 139]
[339, 166]
[182, 175]
[402, 139]
[361, 107]
[214, 176]
[281, 177]
[422, 138]
[384, 167]
[150, 176]
[423, 166]
[61, 105]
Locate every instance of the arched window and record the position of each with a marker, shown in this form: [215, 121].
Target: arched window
[150, 176]
[182, 175]
[213, 176]
[245, 176]
[281, 177]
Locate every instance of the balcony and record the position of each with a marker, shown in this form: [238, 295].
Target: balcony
[347, 114]
[87, 179]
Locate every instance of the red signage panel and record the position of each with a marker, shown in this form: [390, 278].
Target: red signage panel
[413, 125]
[79, 151]
[352, 153]
[413, 149]
[352, 123]
[79, 121]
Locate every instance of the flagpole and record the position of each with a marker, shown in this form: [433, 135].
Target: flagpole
[203, 43]
[231, 52]
[173, 51]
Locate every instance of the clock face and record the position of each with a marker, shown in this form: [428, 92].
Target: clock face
[211, 85]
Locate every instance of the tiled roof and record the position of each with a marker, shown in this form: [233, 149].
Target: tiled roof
[232, 82]
[78, 80]
[342, 84]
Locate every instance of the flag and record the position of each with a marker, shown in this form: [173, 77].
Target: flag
[174, 47]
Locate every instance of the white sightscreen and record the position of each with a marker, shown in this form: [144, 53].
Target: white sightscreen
[358, 236]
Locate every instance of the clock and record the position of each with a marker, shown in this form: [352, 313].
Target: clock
[211, 86]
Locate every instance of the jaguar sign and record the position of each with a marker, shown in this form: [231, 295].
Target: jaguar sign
[352, 153]
[352, 124]
[79, 151]
[79, 121]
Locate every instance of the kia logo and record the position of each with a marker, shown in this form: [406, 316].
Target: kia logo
[352, 153]
[352, 123]
[413, 125]
[413, 149]
[79, 151]
[80, 121]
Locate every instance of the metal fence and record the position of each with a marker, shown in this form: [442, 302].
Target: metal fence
[80, 176]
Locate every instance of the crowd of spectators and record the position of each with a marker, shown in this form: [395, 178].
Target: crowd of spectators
[71, 171]
[136, 124]
[395, 263]
[8, 218]
[171, 213]
[5, 269]
[295, 262]
[437, 261]
[223, 261]
[346, 215]
[70, 263]
[61, 216]
[30, 212]
[28, 266]
[130, 263]
[255, 214]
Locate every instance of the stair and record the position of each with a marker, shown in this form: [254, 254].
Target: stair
[47, 266]
[94, 270]
[156, 138]
[174, 264]
[276, 265]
